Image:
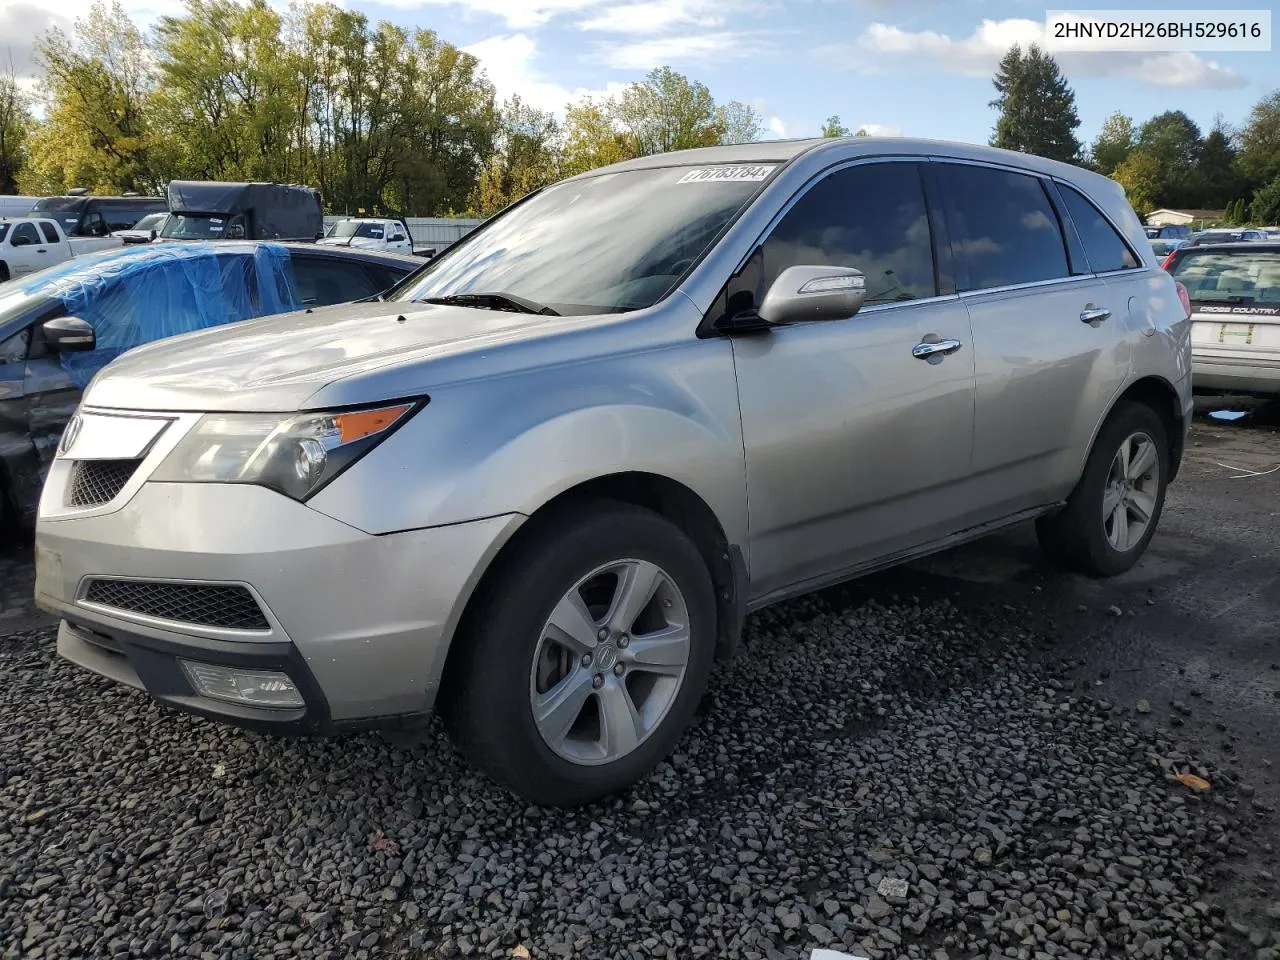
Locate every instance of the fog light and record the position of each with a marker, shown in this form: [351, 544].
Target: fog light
[257, 688]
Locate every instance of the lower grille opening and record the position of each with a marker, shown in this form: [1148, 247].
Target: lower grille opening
[95, 482]
[224, 606]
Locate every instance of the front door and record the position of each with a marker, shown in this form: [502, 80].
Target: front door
[853, 443]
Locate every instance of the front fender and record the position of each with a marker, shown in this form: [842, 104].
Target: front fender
[510, 444]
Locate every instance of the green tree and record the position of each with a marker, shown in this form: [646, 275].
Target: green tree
[15, 128]
[1172, 139]
[668, 111]
[834, 128]
[739, 122]
[592, 139]
[1265, 207]
[98, 88]
[1139, 174]
[1260, 141]
[1216, 178]
[1037, 107]
[1113, 144]
[525, 160]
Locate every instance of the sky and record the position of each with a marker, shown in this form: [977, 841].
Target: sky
[911, 67]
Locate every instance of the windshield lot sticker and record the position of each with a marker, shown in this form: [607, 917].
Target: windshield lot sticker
[727, 174]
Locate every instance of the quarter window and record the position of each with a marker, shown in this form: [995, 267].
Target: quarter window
[1003, 228]
[1104, 247]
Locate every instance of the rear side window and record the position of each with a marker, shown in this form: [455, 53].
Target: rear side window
[322, 281]
[49, 230]
[871, 217]
[1103, 246]
[1003, 228]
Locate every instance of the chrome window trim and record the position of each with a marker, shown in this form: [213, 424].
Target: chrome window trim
[1010, 287]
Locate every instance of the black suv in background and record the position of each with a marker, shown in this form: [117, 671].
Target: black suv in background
[85, 216]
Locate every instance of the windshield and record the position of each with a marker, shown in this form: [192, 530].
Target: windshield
[150, 221]
[356, 228]
[605, 244]
[1237, 276]
[200, 226]
[66, 210]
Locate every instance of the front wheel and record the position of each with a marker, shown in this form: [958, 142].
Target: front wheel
[1112, 514]
[585, 656]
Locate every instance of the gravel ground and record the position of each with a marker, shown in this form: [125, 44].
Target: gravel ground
[859, 742]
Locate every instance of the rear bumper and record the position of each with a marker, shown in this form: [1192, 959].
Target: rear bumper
[361, 623]
[1238, 374]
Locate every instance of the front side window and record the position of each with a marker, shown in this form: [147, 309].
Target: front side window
[1003, 229]
[608, 243]
[14, 349]
[1104, 247]
[24, 235]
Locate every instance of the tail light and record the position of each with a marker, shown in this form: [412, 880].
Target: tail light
[1184, 297]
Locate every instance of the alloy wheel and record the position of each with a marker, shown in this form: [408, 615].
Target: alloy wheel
[610, 662]
[1133, 485]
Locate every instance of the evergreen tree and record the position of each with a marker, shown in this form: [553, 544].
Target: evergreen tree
[1216, 180]
[1037, 107]
[1114, 143]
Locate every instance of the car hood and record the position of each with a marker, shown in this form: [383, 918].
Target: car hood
[282, 363]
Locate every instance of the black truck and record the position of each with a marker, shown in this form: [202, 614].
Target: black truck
[212, 210]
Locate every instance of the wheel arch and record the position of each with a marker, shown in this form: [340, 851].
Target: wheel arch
[1159, 395]
[666, 497]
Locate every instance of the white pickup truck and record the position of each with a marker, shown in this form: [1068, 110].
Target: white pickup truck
[28, 244]
[369, 233]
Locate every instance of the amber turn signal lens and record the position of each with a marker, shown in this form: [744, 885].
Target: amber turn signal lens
[365, 423]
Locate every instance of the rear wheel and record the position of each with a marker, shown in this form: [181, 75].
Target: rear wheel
[4, 271]
[1113, 512]
[585, 656]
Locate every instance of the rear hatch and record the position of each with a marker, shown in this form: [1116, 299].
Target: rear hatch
[1235, 300]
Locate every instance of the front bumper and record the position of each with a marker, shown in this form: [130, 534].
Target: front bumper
[360, 623]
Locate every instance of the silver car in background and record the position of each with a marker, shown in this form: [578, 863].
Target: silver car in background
[539, 485]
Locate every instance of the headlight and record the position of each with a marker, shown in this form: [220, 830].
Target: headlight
[296, 454]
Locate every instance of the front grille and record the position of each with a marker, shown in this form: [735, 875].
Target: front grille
[226, 606]
[95, 482]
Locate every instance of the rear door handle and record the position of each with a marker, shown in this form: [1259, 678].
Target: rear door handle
[937, 348]
[1092, 314]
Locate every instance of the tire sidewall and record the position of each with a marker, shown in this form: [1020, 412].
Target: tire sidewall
[507, 641]
[1129, 420]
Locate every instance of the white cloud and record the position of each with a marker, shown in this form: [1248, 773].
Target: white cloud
[656, 16]
[980, 52]
[695, 48]
[518, 14]
[777, 126]
[510, 60]
[879, 129]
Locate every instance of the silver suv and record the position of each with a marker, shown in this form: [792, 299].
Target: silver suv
[540, 484]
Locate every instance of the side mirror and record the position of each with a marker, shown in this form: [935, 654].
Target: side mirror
[18, 241]
[68, 335]
[804, 293]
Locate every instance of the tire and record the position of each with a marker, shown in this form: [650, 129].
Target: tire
[512, 661]
[1085, 536]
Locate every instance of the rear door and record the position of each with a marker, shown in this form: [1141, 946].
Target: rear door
[1049, 337]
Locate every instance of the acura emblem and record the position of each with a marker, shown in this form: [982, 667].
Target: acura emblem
[70, 433]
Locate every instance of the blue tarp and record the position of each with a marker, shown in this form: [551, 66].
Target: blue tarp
[136, 294]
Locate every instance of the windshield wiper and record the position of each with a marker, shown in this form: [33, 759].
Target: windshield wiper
[494, 301]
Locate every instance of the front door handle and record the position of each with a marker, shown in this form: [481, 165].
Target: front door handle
[929, 350]
[1092, 314]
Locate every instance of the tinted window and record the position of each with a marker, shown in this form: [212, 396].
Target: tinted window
[24, 233]
[1102, 245]
[871, 217]
[1003, 229]
[50, 232]
[122, 216]
[321, 281]
[14, 350]
[4, 229]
